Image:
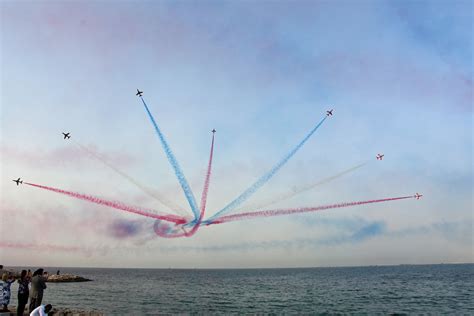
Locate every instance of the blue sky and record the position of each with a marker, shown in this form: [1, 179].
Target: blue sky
[397, 73]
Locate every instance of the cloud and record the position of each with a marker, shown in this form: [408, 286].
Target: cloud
[455, 231]
[362, 233]
[122, 229]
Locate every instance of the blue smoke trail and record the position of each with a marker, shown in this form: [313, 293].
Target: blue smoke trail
[174, 163]
[263, 179]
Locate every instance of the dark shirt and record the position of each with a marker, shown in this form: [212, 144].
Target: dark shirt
[23, 286]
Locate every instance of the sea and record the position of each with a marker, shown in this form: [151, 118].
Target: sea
[402, 289]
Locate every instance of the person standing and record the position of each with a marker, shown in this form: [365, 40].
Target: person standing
[38, 285]
[23, 292]
[5, 293]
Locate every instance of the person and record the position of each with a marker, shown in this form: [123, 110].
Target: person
[38, 285]
[23, 292]
[41, 310]
[57, 272]
[5, 293]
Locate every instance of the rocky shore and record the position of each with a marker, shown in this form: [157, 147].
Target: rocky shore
[66, 278]
[54, 277]
[60, 312]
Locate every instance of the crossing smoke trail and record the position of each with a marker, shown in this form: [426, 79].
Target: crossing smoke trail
[265, 178]
[170, 205]
[299, 190]
[117, 205]
[269, 213]
[168, 231]
[174, 163]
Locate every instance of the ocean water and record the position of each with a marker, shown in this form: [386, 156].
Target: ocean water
[405, 289]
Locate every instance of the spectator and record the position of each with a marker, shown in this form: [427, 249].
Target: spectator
[41, 310]
[38, 285]
[5, 293]
[23, 292]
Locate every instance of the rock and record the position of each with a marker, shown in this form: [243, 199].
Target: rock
[66, 278]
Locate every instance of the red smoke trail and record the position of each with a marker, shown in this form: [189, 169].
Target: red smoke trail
[207, 181]
[166, 231]
[170, 205]
[300, 189]
[268, 213]
[117, 205]
[39, 246]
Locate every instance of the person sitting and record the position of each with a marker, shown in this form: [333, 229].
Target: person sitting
[41, 310]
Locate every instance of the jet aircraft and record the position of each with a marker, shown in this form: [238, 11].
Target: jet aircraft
[213, 131]
[18, 181]
[66, 135]
[329, 112]
[139, 93]
[380, 156]
[418, 196]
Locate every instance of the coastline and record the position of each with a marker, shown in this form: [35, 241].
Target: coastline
[61, 312]
[340, 290]
[54, 278]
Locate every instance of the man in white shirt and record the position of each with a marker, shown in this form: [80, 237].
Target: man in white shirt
[41, 310]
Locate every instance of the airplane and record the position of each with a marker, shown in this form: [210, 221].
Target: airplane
[213, 131]
[380, 156]
[329, 112]
[66, 135]
[139, 93]
[417, 196]
[18, 181]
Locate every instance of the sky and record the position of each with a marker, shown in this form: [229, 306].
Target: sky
[398, 75]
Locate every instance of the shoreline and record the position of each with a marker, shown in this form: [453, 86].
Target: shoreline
[61, 311]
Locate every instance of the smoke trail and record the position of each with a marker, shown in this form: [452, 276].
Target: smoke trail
[170, 205]
[41, 247]
[122, 229]
[204, 193]
[207, 181]
[174, 163]
[299, 190]
[117, 205]
[168, 230]
[265, 178]
[268, 213]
